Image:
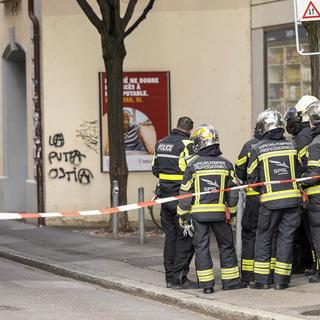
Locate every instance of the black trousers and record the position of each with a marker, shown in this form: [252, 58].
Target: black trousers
[286, 222]
[303, 250]
[230, 274]
[249, 225]
[178, 249]
[314, 219]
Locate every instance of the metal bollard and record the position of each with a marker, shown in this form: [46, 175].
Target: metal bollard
[115, 203]
[141, 215]
[240, 208]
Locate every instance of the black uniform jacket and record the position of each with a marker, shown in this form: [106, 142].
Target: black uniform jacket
[275, 160]
[313, 164]
[208, 172]
[242, 164]
[170, 161]
[302, 141]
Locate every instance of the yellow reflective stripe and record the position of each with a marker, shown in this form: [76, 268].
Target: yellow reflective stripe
[277, 154]
[153, 160]
[231, 276]
[262, 264]
[208, 208]
[247, 262]
[313, 256]
[241, 161]
[282, 272]
[206, 278]
[222, 184]
[302, 153]
[251, 192]
[176, 177]
[262, 267]
[283, 265]
[247, 268]
[313, 190]
[232, 175]
[261, 270]
[197, 190]
[286, 194]
[186, 143]
[181, 211]
[267, 174]
[313, 163]
[229, 270]
[254, 164]
[233, 209]
[292, 169]
[182, 162]
[187, 186]
[205, 272]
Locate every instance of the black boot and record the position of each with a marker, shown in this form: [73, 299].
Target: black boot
[315, 278]
[281, 286]
[187, 284]
[258, 285]
[208, 290]
[240, 285]
[310, 272]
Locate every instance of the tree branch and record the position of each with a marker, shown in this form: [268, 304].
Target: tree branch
[141, 18]
[91, 15]
[129, 12]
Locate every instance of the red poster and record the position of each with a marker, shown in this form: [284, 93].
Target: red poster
[146, 112]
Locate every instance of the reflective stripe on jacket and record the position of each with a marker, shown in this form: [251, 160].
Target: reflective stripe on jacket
[275, 160]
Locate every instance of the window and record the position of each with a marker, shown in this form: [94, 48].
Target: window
[288, 73]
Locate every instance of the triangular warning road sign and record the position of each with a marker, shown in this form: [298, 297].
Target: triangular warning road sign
[311, 12]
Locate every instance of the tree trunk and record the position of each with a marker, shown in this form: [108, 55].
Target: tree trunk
[114, 53]
[313, 29]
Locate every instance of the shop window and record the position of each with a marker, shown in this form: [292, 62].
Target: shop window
[288, 73]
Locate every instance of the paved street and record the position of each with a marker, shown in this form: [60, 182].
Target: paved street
[30, 294]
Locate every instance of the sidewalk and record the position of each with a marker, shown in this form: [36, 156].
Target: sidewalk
[137, 269]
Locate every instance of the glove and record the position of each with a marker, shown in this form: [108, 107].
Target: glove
[156, 192]
[184, 219]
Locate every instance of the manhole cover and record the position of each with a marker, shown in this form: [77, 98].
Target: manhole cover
[311, 313]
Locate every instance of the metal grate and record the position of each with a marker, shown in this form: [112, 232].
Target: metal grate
[311, 313]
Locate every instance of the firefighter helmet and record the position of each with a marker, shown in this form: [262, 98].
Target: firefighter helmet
[313, 112]
[204, 136]
[302, 105]
[268, 120]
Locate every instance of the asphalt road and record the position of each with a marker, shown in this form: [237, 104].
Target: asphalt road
[30, 294]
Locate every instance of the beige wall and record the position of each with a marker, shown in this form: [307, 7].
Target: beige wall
[204, 44]
[263, 13]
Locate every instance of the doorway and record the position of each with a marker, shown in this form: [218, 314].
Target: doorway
[14, 129]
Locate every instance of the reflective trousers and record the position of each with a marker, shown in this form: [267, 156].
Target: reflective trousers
[178, 249]
[230, 274]
[286, 222]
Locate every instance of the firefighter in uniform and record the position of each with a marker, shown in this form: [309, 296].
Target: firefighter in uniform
[210, 172]
[275, 158]
[250, 215]
[169, 164]
[312, 187]
[297, 124]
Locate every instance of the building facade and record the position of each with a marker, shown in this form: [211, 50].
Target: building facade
[221, 72]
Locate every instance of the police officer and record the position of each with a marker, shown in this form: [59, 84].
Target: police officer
[297, 124]
[250, 215]
[210, 172]
[275, 158]
[169, 164]
[313, 186]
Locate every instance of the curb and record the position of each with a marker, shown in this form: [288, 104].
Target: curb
[210, 308]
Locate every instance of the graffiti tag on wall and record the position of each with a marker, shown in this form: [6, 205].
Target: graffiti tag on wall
[66, 164]
[89, 133]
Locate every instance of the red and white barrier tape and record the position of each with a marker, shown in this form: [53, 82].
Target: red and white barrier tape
[134, 206]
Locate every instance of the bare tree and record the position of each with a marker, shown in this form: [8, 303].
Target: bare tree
[313, 29]
[113, 29]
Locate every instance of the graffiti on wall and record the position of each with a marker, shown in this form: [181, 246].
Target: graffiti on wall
[89, 133]
[67, 165]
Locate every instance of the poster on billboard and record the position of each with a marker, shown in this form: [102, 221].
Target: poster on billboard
[146, 116]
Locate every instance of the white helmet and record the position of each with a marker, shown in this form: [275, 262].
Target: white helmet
[302, 106]
[313, 113]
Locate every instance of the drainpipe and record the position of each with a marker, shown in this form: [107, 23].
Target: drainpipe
[37, 115]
